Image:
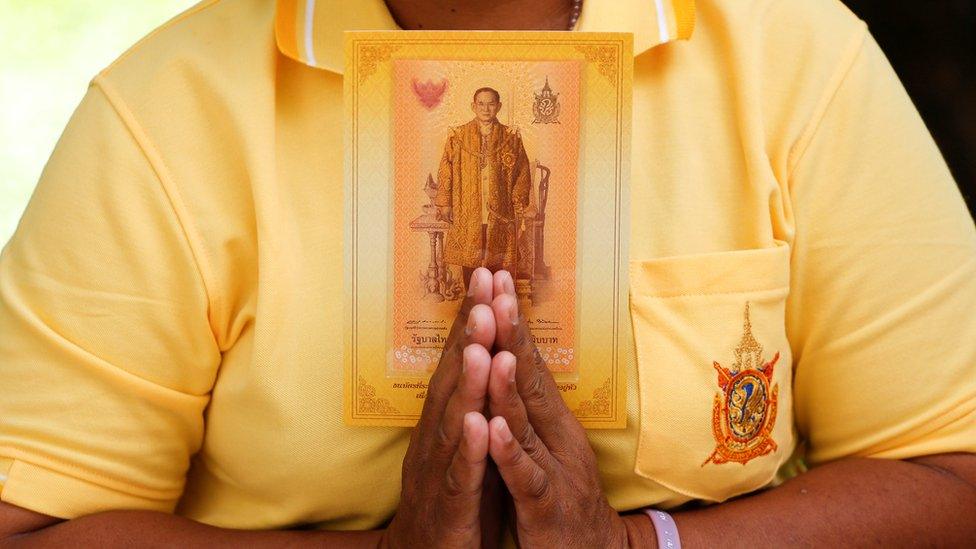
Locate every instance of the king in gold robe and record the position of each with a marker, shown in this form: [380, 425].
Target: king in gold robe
[484, 181]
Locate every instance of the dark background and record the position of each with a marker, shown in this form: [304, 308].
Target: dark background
[931, 45]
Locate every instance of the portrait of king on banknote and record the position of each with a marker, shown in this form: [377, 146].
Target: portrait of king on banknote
[485, 175]
[483, 185]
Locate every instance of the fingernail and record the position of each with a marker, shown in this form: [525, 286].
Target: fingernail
[509, 286]
[504, 432]
[513, 313]
[472, 285]
[471, 326]
[511, 373]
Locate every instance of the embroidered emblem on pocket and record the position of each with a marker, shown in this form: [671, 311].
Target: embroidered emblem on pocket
[745, 411]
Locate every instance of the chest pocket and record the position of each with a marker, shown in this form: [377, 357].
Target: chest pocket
[714, 370]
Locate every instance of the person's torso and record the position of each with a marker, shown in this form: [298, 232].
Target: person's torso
[710, 267]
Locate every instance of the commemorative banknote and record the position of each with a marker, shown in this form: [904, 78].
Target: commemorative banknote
[508, 150]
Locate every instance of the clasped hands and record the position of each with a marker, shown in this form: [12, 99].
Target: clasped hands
[493, 409]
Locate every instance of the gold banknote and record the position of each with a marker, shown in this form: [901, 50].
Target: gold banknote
[507, 150]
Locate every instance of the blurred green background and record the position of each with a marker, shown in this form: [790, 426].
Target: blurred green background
[49, 50]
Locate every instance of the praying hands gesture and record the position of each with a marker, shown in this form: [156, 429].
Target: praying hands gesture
[448, 498]
[539, 447]
[492, 395]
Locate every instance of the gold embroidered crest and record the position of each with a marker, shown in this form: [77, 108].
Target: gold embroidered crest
[744, 412]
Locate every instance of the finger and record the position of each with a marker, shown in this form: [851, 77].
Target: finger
[463, 327]
[504, 401]
[524, 478]
[508, 317]
[544, 406]
[479, 291]
[469, 396]
[502, 283]
[480, 327]
[474, 323]
[464, 477]
[480, 331]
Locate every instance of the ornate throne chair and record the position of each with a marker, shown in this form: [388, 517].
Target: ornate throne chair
[531, 237]
[438, 280]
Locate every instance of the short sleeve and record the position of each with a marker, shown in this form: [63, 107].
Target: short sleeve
[107, 357]
[883, 286]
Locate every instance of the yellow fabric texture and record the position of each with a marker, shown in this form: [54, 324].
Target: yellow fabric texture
[310, 31]
[170, 303]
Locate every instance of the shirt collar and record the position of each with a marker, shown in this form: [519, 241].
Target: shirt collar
[310, 31]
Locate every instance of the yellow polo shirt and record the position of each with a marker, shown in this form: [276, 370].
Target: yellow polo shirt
[170, 304]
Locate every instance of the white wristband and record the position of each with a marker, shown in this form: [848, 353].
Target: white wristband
[665, 529]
